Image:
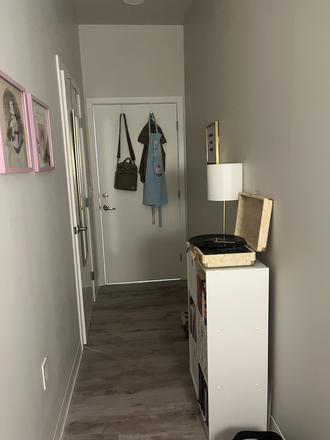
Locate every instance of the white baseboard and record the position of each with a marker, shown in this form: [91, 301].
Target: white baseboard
[274, 427]
[68, 395]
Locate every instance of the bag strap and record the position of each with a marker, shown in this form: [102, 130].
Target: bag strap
[130, 147]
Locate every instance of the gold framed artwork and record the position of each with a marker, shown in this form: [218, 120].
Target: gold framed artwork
[212, 143]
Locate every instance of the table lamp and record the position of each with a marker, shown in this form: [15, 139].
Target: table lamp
[224, 183]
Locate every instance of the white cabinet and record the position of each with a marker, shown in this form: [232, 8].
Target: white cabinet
[231, 347]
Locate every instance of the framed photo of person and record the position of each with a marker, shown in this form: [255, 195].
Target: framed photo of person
[41, 138]
[15, 152]
[212, 143]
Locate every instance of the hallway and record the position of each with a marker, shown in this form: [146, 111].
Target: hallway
[134, 381]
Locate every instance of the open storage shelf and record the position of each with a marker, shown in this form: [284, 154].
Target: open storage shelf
[229, 351]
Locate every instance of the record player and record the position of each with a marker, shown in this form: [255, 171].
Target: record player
[251, 235]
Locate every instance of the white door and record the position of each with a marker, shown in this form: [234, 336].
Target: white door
[131, 247]
[78, 195]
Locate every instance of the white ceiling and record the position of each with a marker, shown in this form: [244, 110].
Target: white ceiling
[155, 12]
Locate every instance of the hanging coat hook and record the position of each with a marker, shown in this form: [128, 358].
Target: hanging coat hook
[152, 116]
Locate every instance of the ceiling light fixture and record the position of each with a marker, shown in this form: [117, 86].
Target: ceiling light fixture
[133, 2]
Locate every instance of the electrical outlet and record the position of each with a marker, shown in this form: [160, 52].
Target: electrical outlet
[44, 371]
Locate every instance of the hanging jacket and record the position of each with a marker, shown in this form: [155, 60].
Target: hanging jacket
[144, 139]
[154, 193]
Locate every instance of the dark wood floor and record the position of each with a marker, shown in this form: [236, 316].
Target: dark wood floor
[134, 381]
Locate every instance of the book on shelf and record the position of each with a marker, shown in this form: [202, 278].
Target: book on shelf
[201, 292]
[192, 319]
[203, 397]
[200, 388]
[204, 308]
[206, 404]
[194, 328]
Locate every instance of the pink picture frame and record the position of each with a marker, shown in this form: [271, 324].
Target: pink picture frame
[41, 136]
[15, 150]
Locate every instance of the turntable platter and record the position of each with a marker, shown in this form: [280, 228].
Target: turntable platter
[210, 241]
[218, 250]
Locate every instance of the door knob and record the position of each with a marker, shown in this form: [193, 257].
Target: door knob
[78, 229]
[107, 208]
[105, 195]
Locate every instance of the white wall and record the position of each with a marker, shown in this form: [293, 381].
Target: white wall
[128, 61]
[262, 69]
[38, 308]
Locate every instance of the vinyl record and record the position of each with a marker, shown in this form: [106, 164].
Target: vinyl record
[217, 241]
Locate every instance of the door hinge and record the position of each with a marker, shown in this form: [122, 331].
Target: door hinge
[93, 275]
[181, 257]
[177, 125]
[179, 194]
[80, 123]
[86, 202]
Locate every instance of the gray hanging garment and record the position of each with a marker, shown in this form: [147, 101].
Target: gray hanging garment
[144, 139]
[155, 194]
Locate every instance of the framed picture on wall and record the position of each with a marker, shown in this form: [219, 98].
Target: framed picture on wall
[15, 152]
[41, 138]
[212, 143]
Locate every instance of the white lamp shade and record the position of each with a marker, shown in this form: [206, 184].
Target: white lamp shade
[224, 181]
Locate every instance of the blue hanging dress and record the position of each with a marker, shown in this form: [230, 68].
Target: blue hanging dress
[155, 194]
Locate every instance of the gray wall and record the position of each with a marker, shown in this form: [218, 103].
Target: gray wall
[131, 61]
[261, 67]
[128, 61]
[38, 307]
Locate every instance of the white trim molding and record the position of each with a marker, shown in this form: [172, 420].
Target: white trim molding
[59, 430]
[274, 427]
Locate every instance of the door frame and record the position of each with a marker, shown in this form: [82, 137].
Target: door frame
[97, 202]
[62, 72]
